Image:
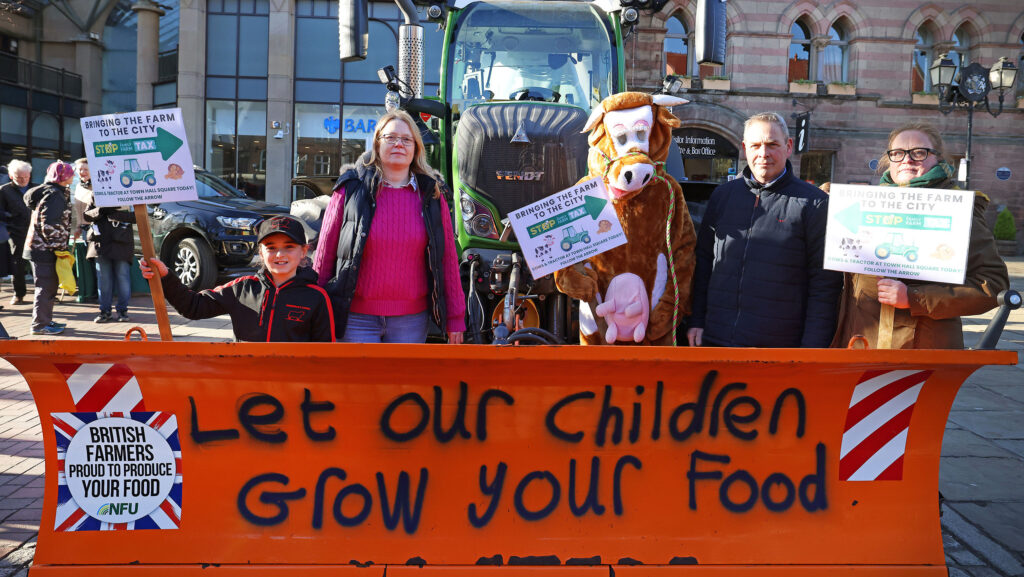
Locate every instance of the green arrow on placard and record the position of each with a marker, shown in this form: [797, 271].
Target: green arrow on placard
[592, 205]
[164, 142]
[850, 217]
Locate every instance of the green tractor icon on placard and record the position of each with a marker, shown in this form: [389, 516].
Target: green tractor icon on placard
[133, 172]
[572, 237]
[895, 246]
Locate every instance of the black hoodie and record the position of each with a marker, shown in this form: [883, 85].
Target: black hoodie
[297, 311]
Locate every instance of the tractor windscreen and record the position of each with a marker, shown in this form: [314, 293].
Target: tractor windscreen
[551, 51]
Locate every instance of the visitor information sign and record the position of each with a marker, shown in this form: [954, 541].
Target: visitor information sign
[139, 157]
[567, 227]
[912, 233]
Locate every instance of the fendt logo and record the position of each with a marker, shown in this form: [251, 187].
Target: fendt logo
[518, 175]
[118, 509]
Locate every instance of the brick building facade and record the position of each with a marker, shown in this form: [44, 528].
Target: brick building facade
[879, 47]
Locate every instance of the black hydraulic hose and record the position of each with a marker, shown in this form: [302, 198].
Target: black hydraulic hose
[525, 337]
[478, 310]
[539, 332]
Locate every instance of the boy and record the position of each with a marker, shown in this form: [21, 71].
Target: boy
[280, 303]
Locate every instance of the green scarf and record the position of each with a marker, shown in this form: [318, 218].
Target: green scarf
[934, 178]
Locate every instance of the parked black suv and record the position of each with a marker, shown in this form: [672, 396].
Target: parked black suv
[204, 239]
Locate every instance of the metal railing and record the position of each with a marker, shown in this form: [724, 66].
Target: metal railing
[39, 76]
[167, 65]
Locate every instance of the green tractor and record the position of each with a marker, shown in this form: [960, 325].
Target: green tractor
[572, 237]
[895, 246]
[133, 172]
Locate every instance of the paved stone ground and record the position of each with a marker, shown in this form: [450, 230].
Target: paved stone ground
[981, 474]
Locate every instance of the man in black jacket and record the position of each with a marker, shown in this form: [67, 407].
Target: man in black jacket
[759, 280]
[16, 215]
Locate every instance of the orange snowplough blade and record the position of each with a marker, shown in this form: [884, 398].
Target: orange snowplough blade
[171, 458]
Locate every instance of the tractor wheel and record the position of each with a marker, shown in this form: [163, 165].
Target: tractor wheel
[882, 252]
[126, 180]
[586, 239]
[151, 180]
[566, 245]
[194, 264]
[911, 255]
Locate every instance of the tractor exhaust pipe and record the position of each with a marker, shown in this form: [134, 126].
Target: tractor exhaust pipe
[410, 50]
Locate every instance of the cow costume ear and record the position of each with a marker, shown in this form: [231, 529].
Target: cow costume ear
[595, 118]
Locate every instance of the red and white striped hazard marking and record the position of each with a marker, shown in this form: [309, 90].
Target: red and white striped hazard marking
[877, 424]
[102, 387]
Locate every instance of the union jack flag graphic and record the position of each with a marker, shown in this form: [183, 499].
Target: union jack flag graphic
[100, 391]
[877, 424]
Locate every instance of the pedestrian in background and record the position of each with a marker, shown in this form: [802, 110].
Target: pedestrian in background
[387, 252]
[110, 237]
[49, 231]
[759, 279]
[12, 202]
[927, 314]
[81, 198]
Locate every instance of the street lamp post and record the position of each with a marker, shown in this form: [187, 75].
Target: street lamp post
[972, 88]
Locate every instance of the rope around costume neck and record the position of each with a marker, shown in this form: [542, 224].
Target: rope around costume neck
[659, 168]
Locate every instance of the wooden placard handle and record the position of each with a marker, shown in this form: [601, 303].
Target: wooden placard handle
[156, 289]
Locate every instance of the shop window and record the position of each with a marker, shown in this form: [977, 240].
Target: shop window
[835, 63]
[800, 52]
[13, 125]
[924, 53]
[676, 47]
[317, 136]
[220, 139]
[816, 166]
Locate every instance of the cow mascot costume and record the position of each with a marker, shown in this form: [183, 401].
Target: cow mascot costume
[638, 292]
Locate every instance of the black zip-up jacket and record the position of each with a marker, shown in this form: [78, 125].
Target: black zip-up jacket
[297, 311]
[759, 280]
[360, 183]
[12, 202]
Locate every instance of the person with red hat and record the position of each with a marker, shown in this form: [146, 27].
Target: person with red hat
[281, 302]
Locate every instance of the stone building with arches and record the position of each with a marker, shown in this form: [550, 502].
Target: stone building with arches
[859, 68]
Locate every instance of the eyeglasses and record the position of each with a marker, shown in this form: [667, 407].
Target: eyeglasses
[917, 154]
[393, 140]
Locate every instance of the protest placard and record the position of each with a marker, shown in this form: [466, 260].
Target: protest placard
[139, 157]
[567, 227]
[911, 233]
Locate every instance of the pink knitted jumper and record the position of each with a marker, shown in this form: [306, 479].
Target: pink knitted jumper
[393, 271]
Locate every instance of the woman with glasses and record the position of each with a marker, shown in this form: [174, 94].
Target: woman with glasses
[386, 253]
[927, 314]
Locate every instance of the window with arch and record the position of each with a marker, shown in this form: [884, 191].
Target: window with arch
[960, 54]
[676, 48]
[835, 59]
[924, 52]
[800, 52]
[1020, 66]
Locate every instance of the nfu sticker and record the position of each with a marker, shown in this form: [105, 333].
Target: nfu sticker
[119, 471]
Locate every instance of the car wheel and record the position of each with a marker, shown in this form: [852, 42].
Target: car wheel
[194, 264]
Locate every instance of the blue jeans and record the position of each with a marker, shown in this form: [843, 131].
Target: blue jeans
[379, 329]
[109, 272]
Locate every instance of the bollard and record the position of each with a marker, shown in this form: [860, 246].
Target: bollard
[167, 458]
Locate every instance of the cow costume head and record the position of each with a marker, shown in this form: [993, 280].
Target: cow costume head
[629, 139]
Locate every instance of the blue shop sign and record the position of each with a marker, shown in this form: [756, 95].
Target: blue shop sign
[365, 126]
